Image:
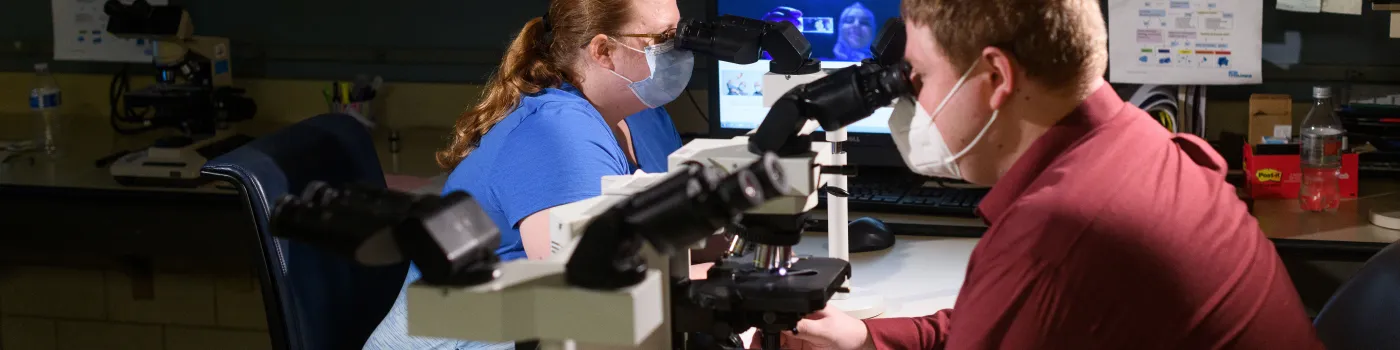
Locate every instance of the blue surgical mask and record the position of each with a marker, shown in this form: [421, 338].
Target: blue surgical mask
[670, 74]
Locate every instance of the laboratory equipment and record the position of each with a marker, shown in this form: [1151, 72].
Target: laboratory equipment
[1323, 141]
[1376, 130]
[835, 101]
[46, 99]
[193, 93]
[618, 279]
[618, 276]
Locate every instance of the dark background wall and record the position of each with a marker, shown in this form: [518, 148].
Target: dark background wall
[403, 40]
[461, 40]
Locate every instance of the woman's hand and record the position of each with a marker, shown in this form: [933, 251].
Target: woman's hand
[828, 329]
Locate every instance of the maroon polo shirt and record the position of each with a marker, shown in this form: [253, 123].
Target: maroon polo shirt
[1112, 233]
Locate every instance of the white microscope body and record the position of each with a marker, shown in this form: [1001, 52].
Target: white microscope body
[531, 300]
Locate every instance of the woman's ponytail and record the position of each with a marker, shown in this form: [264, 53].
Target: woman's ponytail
[526, 69]
[542, 56]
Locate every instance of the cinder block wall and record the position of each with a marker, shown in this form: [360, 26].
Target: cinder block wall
[49, 308]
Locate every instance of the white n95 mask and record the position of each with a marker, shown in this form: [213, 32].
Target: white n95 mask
[921, 145]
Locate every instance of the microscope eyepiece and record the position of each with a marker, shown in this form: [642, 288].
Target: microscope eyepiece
[751, 186]
[853, 93]
[697, 201]
[727, 39]
[743, 40]
[450, 238]
[333, 218]
[888, 48]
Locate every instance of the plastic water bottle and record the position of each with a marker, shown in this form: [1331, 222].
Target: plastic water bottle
[46, 99]
[1323, 141]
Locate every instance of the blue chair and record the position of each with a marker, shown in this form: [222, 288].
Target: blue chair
[315, 300]
[1365, 312]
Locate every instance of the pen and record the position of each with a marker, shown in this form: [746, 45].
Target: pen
[345, 93]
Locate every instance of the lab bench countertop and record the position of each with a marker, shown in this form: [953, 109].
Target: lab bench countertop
[1284, 221]
[916, 277]
[87, 139]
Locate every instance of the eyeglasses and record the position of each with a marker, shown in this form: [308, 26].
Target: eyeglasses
[656, 39]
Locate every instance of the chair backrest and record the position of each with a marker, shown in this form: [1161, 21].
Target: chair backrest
[315, 300]
[1365, 312]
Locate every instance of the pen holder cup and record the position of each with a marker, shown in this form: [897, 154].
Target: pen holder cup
[360, 110]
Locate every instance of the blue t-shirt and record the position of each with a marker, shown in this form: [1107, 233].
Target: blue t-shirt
[553, 150]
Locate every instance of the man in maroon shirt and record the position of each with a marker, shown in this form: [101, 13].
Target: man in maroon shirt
[1106, 230]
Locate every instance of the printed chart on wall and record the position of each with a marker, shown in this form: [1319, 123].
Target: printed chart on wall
[80, 34]
[1197, 42]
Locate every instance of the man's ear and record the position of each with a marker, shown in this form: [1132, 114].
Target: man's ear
[1003, 75]
[601, 52]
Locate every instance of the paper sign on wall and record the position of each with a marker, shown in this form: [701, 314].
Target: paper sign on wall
[1346, 7]
[80, 34]
[1309, 6]
[1199, 42]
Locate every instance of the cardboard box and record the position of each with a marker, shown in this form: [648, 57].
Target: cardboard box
[1270, 115]
[1395, 24]
[1279, 175]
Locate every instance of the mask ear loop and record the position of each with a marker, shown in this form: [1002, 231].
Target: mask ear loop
[975, 139]
[619, 43]
[972, 144]
[958, 85]
[614, 71]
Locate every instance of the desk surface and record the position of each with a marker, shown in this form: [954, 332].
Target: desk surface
[1284, 220]
[916, 277]
[92, 138]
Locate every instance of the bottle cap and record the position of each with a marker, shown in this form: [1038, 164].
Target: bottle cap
[1322, 92]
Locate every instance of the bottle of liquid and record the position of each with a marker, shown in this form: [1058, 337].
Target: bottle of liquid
[45, 100]
[1322, 139]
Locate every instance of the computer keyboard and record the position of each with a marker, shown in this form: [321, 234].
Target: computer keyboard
[910, 196]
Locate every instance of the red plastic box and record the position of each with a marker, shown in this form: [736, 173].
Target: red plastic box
[1278, 176]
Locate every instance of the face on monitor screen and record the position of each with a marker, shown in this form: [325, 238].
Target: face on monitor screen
[841, 33]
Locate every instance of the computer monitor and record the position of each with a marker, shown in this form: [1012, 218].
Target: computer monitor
[841, 33]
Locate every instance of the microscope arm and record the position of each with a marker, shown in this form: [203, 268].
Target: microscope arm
[834, 101]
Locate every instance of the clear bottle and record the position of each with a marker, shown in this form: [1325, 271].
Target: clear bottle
[1323, 138]
[45, 99]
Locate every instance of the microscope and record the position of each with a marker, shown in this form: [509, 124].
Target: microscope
[618, 276]
[605, 288]
[798, 104]
[193, 93]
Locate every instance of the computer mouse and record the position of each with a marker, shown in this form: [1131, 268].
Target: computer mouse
[868, 235]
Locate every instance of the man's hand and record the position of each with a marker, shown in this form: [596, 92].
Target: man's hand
[700, 271]
[828, 329]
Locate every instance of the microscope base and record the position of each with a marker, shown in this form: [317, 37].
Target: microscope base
[174, 162]
[859, 303]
